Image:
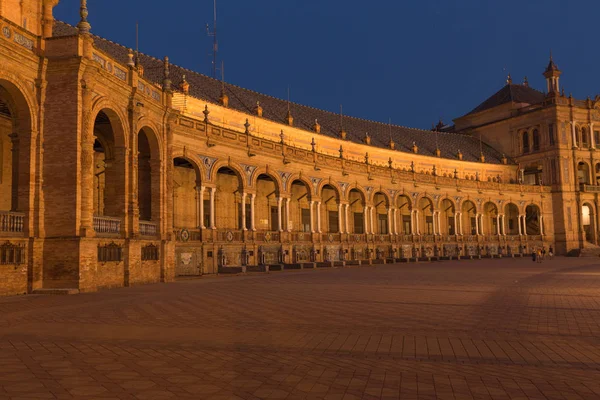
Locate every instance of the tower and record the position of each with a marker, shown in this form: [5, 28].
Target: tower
[552, 75]
[34, 16]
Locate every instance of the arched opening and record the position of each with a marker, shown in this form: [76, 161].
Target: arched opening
[511, 215]
[583, 173]
[382, 216]
[490, 219]
[329, 212]
[109, 173]
[148, 178]
[597, 170]
[469, 218]
[187, 194]
[269, 204]
[357, 204]
[525, 141]
[533, 221]
[300, 204]
[588, 222]
[15, 159]
[425, 208]
[224, 213]
[447, 217]
[585, 140]
[404, 214]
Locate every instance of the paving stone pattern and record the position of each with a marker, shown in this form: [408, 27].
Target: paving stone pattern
[490, 329]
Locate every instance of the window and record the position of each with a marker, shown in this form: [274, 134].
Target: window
[359, 223]
[150, 253]
[333, 218]
[551, 134]
[536, 140]
[248, 216]
[110, 253]
[451, 226]
[596, 138]
[473, 225]
[526, 142]
[206, 213]
[584, 137]
[382, 224]
[305, 220]
[429, 225]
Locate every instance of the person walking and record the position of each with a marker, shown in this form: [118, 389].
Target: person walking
[551, 252]
[543, 253]
[539, 256]
[533, 255]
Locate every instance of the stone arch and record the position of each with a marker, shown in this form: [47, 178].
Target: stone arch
[301, 178]
[447, 219]
[328, 182]
[186, 210]
[328, 209]
[425, 207]
[588, 221]
[403, 204]
[22, 101]
[301, 195]
[115, 116]
[469, 223]
[274, 176]
[356, 209]
[149, 158]
[583, 172]
[384, 194]
[533, 219]
[490, 212]
[511, 218]
[239, 171]
[194, 161]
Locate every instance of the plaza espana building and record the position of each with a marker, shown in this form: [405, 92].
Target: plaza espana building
[117, 169]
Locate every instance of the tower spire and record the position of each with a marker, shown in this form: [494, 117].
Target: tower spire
[83, 26]
[552, 74]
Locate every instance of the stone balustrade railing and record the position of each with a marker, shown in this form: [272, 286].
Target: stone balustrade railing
[107, 225]
[11, 222]
[148, 228]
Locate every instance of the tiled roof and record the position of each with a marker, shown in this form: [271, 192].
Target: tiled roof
[511, 93]
[244, 100]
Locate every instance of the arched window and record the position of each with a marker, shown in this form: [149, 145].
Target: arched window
[585, 141]
[536, 140]
[525, 142]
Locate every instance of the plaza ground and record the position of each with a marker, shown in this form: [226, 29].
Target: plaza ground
[485, 329]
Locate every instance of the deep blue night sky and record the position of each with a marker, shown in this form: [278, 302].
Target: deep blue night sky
[413, 61]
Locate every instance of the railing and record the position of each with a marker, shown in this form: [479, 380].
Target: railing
[148, 228]
[107, 224]
[591, 188]
[331, 237]
[11, 221]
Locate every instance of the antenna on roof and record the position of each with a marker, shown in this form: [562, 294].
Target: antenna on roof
[137, 43]
[213, 34]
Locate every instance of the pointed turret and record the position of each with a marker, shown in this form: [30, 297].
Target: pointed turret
[552, 74]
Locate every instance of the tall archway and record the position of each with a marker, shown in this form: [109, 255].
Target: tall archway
[447, 217]
[329, 210]
[149, 191]
[425, 223]
[588, 222]
[490, 219]
[469, 218]
[109, 173]
[300, 207]
[511, 216]
[382, 217]
[187, 196]
[533, 221]
[269, 205]
[224, 213]
[357, 205]
[404, 207]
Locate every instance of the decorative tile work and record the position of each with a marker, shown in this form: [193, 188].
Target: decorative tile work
[209, 163]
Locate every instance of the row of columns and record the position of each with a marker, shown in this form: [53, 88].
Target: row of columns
[343, 217]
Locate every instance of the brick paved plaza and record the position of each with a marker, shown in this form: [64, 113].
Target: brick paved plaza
[489, 329]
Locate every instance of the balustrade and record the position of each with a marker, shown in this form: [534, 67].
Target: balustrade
[107, 225]
[148, 228]
[12, 222]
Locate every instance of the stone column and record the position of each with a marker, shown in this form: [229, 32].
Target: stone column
[498, 224]
[592, 139]
[366, 219]
[212, 208]
[319, 217]
[200, 206]
[477, 232]
[340, 221]
[312, 217]
[574, 133]
[389, 214]
[417, 224]
[439, 219]
[412, 223]
[87, 168]
[244, 228]
[519, 220]
[252, 213]
[542, 225]
[347, 221]
[373, 220]
[279, 216]
[503, 224]
[524, 218]
[287, 214]
[14, 194]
